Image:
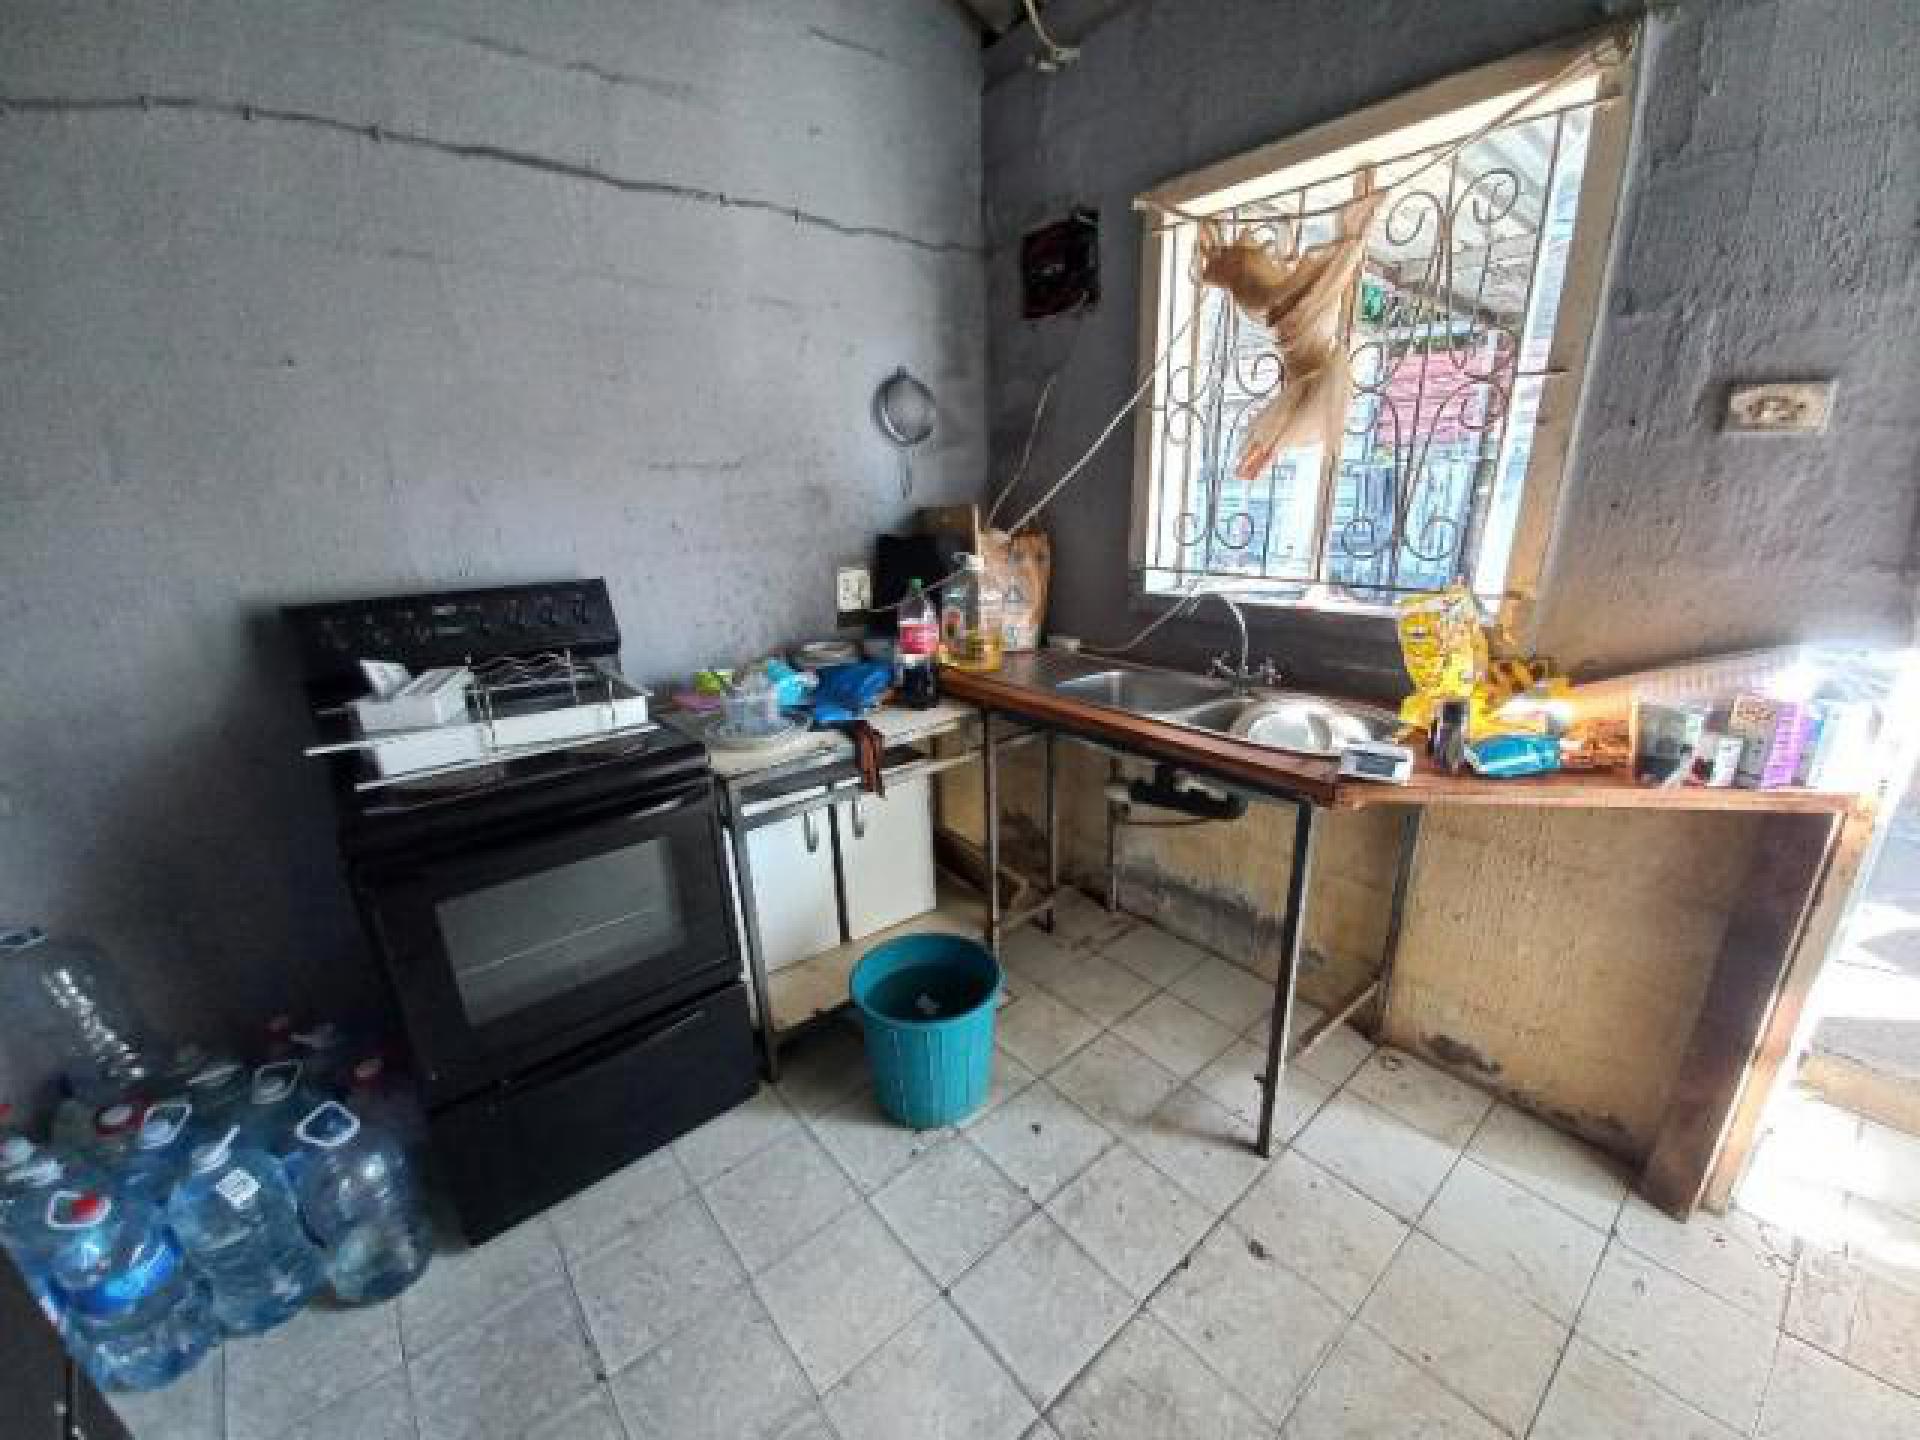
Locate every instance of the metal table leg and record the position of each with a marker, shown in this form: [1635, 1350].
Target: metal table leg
[990, 828]
[1397, 913]
[1306, 826]
[1052, 920]
[1114, 773]
[756, 957]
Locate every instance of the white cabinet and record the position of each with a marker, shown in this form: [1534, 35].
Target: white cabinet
[793, 888]
[886, 853]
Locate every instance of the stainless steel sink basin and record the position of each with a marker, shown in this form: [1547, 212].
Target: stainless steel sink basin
[1145, 692]
[1304, 724]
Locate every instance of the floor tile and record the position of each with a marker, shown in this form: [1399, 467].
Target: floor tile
[950, 1207]
[1884, 1241]
[1321, 1228]
[1538, 1250]
[1040, 1031]
[523, 1363]
[1710, 1354]
[1205, 1150]
[1379, 1154]
[1735, 1256]
[1596, 1397]
[1136, 1223]
[840, 1295]
[1113, 1082]
[1043, 1306]
[1153, 955]
[1079, 919]
[1857, 1314]
[743, 1131]
[1428, 1098]
[1470, 1332]
[1812, 1394]
[869, 1144]
[933, 1379]
[727, 1375]
[663, 1276]
[1236, 1080]
[605, 1212]
[1552, 1164]
[1367, 1391]
[1042, 1431]
[1176, 1035]
[594, 1416]
[1041, 1140]
[191, 1408]
[1886, 1333]
[1823, 1299]
[1221, 989]
[1148, 1384]
[1334, 1057]
[323, 1353]
[823, 1067]
[380, 1411]
[1097, 987]
[1252, 1320]
[466, 1282]
[769, 1204]
[1009, 1078]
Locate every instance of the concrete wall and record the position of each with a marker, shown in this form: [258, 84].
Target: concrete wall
[606, 294]
[1767, 232]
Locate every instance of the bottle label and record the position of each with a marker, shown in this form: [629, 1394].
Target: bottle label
[237, 1188]
[918, 637]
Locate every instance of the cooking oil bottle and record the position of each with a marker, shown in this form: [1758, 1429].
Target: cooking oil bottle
[970, 618]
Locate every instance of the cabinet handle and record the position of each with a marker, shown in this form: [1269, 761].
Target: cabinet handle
[859, 818]
[810, 831]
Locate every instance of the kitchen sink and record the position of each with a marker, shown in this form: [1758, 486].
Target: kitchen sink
[1304, 724]
[1145, 692]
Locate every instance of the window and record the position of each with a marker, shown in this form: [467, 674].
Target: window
[1464, 329]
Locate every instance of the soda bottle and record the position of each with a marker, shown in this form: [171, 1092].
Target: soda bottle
[237, 1220]
[916, 646]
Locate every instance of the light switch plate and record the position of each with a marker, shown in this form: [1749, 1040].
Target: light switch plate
[852, 589]
[1785, 407]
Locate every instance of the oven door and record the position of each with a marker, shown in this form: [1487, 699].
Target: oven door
[507, 954]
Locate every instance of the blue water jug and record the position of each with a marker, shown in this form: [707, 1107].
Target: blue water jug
[137, 1316]
[159, 1155]
[357, 1198]
[236, 1218]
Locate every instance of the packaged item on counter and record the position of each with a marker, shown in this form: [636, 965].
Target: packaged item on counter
[1444, 650]
[1504, 756]
[1774, 735]
[1666, 740]
[1719, 759]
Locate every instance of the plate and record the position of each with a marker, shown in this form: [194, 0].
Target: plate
[725, 737]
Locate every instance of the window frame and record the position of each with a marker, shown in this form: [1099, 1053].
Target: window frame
[1577, 320]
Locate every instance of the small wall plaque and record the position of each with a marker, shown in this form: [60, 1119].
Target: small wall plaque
[1786, 407]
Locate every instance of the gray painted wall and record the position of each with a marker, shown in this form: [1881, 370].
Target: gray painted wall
[257, 358]
[1768, 231]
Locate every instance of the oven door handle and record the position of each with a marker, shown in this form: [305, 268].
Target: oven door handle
[604, 1048]
[664, 807]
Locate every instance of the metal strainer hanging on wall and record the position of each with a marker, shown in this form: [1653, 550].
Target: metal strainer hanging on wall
[903, 409]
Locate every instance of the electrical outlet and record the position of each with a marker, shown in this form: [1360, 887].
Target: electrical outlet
[852, 589]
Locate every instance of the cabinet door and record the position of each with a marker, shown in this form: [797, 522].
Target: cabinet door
[793, 891]
[886, 848]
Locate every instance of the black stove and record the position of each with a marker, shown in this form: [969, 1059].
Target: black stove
[553, 920]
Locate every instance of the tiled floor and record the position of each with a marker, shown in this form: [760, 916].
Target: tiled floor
[1100, 1248]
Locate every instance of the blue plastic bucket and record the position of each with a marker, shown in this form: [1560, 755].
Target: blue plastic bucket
[926, 1003]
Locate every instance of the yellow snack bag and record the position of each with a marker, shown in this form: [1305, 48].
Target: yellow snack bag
[1443, 648]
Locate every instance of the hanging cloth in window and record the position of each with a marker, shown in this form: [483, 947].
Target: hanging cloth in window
[1301, 299]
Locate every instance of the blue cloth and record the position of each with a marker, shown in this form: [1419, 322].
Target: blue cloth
[846, 692]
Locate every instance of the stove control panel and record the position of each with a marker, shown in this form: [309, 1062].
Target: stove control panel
[451, 627]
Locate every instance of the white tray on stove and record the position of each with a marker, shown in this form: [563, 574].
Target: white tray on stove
[474, 741]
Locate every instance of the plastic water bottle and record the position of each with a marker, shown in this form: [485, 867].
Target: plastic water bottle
[325, 1049]
[357, 1199]
[29, 1178]
[66, 993]
[17, 1153]
[137, 1315]
[159, 1155]
[114, 1129]
[218, 1091]
[276, 1101]
[235, 1215]
[384, 1100]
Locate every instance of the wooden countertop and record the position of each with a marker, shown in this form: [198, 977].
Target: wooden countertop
[1022, 687]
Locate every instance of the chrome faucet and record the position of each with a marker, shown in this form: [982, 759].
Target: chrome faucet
[1243, 678]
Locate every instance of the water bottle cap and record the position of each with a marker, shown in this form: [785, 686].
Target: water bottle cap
[42, 1171]
[112, 1121]
[16, 938]
[218, 1073]
[368, 1070]
[77, 1209]
[273, 1083]
[163, 1123]
[322, 1037]
[212, 1154]
[329, 1125]
[15, 1151]
[280, 1025]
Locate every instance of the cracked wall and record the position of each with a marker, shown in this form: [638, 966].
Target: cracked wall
[300, 302]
